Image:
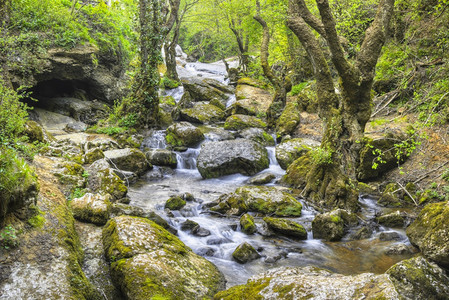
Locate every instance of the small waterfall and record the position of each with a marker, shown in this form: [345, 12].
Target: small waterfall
[156, 140]
[231, 100]
[176, 93]
[187, 159]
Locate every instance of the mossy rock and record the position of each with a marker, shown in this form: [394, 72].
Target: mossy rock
[175, 203]
[312, 283]
[289, 151]
[394, 219]
[263, 178]
[328, 226]
[149, 262]
[258, 135]
[162, 157]
[128, 159]
[286, 227]
[103, 180]
[92, 208]
[247, 224]
[34, 131]
[296, 174]
[288, 120]
[245, 253]
[239, 122]
[429, 232]
[183, 134]
[260, 199]
[93, 155]
[418, 278]
[202, 113]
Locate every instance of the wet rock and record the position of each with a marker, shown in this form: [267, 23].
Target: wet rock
[175, 203]
[429, 232]
[362, 233]
[103, 180]
[205, 89]
[218, 241]
[239, 122]
[229, 157]
[263, 178]
[389, 236]
[126, 176]
[188, 225]
[188, 197]
[395, 219]
[312, 283]
[286, 227]
[328, 226]
[247, 224]
[183, 134]
[260, 199]
[418, 278]
[390, 196]
[202, 113]
[162, 157]
[288, 120]
[216, 134]
[206, 251]
[289, 151]
[146, 261]
[93, 155]
[128, 159]
[398, 249]
[245, 253]
[200, 231]
[92, 208]
[258, 135]
[384, 144]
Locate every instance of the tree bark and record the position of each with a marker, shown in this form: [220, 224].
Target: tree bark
[332, 174]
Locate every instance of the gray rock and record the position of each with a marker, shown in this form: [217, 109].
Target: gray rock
[183, 134]
[92, 208]
[258, 135]
[162, 157]
[290, 150]
[389, 236]
[128, 159]
[263, 178]
[245, 253]
[229, 157]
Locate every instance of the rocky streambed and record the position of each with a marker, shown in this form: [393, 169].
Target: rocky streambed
[209, 204]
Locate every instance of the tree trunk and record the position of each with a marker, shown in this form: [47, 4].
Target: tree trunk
[331, 178]
[156, 19]
[281, 85]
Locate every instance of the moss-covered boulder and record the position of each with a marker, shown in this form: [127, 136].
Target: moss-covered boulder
[430, 232]
[92, 208]
[93, 155]
[148, 262]
[289, 151]
[206, 89]
[379, 154]
[288, 121]
[329, 226]
[395, 219]
[245, 253]
[258, 135]
[103, 180]
[229, 157]
[297, 171]
[252, 97]
[286, 227]
[175, 203]
[239, 122]
[183, 134]
[247, 224]
[260, 199]
[202, 113]
[312, 283]
[162, 157]
[418, 278]
[128, 159]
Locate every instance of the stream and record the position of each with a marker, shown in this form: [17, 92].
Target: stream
[153, 189]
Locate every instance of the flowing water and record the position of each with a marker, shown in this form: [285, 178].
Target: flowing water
[346, 257]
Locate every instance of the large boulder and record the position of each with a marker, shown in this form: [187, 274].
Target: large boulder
[205, 90]
[286, 227]
[289, 151]
[102, 179]
[415, 278]
[229, 157]
[258, 135]
[331, 226]
[202, 113]
[430, 232]
[149, 262]
[239, 122]
[252, 97]
[92, 208]
[288, 120]
[260, 199]
[128, 159]
[245, 253]
[183, 134]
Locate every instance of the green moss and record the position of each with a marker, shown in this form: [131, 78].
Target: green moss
[249, 291]
[296, 174]
[247, 224]
[36, 221]
[239, 122]
[173, 140]
[335, 219]
[286, 227]
[175, 203]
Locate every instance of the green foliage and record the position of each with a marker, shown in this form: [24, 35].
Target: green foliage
[321, 156]
[77, 193]
[296, 89]
[168, 83]
[8, 237]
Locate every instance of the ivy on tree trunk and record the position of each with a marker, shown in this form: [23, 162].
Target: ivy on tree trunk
[332, 171]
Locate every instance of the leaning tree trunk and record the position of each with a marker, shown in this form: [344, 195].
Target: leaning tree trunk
[331, 173]
[281, 85]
